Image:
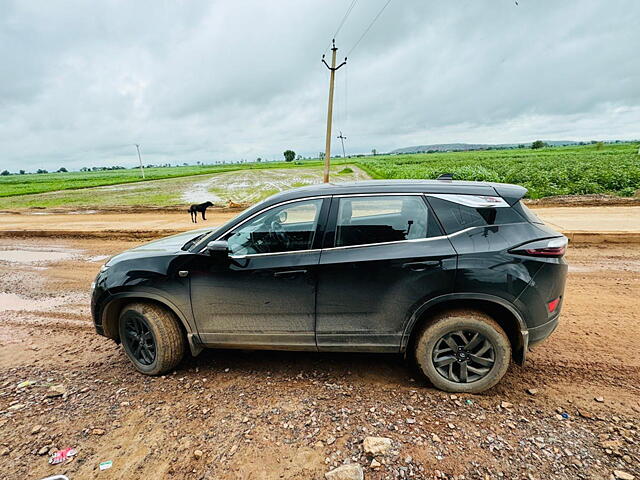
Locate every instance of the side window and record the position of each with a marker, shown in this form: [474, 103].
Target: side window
[286, 228]
[455, 216]
[380, 219]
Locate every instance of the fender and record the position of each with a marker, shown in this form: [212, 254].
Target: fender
[413, 318]
[192, 336]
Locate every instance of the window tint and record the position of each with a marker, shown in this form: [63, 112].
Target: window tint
[522, 209]
[380, 219]
[455, 217]
[286, 228]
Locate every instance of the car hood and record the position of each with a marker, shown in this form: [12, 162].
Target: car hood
[167, 245]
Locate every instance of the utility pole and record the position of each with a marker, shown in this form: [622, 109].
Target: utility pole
[342, 139]
[332, 69]
[140, 158]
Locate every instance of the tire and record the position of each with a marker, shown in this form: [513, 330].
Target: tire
[483, 363]
[159, 328]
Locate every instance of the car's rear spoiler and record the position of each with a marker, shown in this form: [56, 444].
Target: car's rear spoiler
[510, 193]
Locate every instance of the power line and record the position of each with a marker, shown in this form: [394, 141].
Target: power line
[368, 28]
[342, 22]
[344, 19]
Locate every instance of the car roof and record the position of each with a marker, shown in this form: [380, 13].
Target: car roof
[509, 192]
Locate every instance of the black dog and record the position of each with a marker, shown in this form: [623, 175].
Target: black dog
[202, 208]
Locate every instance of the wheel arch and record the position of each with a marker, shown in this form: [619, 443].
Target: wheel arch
[503, 312]
[110, 315]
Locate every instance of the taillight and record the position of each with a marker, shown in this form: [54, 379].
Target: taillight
[551, 247]
[553, 304]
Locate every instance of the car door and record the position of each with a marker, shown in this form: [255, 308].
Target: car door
[383, 256]
[263, 294]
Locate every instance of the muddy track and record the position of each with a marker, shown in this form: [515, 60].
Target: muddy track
[288, 415]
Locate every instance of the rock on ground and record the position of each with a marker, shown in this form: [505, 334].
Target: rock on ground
[377, 445]
[346, 472]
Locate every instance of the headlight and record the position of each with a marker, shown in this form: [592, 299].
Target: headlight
[104, 268]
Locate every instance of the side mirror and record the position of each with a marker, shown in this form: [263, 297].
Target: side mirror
[218, 248]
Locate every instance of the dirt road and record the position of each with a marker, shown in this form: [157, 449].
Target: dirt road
[273, 415]
[589, 224]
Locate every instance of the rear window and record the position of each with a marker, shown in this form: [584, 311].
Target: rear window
[455, 217]
[382, 219]
[523, 210]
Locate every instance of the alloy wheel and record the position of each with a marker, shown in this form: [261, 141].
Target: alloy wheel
[139, 339]
[463, 356]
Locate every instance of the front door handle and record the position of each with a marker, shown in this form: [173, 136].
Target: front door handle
[421, 266]
[289, 273]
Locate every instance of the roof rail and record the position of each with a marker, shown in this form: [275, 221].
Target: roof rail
[445, 177]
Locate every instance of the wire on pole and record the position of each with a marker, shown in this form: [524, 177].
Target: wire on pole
[369, 27]
[342, 22]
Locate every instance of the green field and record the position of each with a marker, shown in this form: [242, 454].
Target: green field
[602, 169]
[49, 182]
[238, 186]
[612, 169]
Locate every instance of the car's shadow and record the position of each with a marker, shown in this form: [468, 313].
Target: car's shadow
[390, 369]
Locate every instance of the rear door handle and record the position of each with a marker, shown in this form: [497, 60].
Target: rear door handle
[289, 273]
[421, 266]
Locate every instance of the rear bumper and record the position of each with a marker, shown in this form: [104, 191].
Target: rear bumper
[541, 332]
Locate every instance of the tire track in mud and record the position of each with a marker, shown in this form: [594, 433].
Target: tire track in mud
[601, 373]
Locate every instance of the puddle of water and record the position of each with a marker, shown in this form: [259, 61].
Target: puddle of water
[83, 212]
[97, 258]
[37, 256]
[199, 192]
[11, 301]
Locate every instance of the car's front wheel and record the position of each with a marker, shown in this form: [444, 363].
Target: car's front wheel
[463, 351]
[151, 338]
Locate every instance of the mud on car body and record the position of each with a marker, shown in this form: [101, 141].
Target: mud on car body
[458, 276]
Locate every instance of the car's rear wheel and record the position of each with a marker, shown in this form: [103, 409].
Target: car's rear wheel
[151, 338]
[463, 351]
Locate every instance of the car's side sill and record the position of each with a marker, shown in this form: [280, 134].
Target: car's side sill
[261, 341]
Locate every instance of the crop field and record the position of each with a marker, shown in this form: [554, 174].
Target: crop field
[49, 182]
[591, 169]
[238, 186]
[612, 169]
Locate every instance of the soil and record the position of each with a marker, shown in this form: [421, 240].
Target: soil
[286, 415]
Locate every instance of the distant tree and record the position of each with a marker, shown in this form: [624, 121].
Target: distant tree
[40, 170]
[538, 144]
[299, 157]
[599, 145]
[258, 159]
[521, 145]
[22, 172]
[321, 156]
[62, 170]
[374, 152]
[289, 155]
[5, 173]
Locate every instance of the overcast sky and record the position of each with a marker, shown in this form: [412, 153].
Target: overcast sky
[81, 82]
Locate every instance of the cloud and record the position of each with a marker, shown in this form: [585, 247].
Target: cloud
[211, 81]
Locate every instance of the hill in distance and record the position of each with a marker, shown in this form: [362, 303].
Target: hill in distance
[461, 147]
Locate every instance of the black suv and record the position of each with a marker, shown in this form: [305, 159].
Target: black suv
[460, 276]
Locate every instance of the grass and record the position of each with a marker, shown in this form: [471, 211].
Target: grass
[27, 184]
[609, 169]
[239, 186]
